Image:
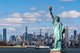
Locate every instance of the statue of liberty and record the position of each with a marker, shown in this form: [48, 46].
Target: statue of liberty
[58, 31]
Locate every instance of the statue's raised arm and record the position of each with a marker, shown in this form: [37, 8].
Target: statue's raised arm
[50, 9]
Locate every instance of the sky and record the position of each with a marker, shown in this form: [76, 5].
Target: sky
[15, 15]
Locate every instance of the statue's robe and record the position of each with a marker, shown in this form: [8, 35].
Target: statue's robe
[58, 32]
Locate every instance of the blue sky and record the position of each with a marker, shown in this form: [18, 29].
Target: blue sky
[15, 15]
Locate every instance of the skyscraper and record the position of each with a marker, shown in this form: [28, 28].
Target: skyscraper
[66, 33]
[34, 35]
[75, 36]
[40, 35]
[30, 37]
[4, 35]
[26, 34]
[0, 37]
[12, 38]
[46, 35]
[75, 33]
[40, 32]
[66, 37]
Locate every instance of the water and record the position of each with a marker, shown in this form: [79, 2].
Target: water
[24, 50]
[72, 50]
[34, 50]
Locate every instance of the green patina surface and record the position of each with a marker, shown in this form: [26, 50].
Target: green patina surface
[58, 31]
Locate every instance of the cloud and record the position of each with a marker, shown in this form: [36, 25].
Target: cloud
[43, 29]
[11, 21]
[48, 17]
[74, 28]
[17, 19]
[15, 15]
[8, 22]
[9, 28]
[70, 14]
[33, 8]
[32, 17]
[67, 0]
[14, 20]
[42, 11]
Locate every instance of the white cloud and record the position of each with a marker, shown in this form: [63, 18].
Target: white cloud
[42, 11]
[46, 29]
[8, 22]
[33, 17]
[17, 19]
[14, 20]
[4, 24]
[67, 0]
[48, 17]
[74, 28]
[9, 28]
[33, 8]
[43, 28]
[15, 15]
[70, 14]
[24, 18]
[30, 15]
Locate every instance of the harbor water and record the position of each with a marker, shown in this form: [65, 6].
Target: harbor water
[24, 50]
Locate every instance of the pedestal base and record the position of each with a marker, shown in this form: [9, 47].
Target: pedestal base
[57, 51]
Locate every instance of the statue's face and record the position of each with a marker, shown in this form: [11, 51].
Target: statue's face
[57, 19]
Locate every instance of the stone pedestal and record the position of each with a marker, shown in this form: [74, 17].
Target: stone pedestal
[57, 51]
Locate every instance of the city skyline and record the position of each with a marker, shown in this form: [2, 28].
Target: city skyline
[15, 15]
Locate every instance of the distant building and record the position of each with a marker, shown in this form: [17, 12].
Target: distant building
[66, 37]
[40, 32]
[75, 33]
[30, 37]
[26, 34]
[19, 40]
[75, 36]
[12, 39]
[72, 37]
[46, 35]
[0, 37]
[79, 40]
[4, 35]
[40, 35]
[34, 35]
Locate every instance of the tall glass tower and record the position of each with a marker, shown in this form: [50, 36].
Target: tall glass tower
[26, 34]
[75, 33]
[66, 37]
[4, 35]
